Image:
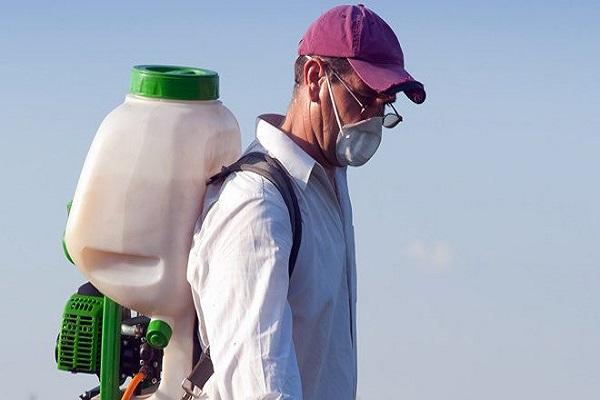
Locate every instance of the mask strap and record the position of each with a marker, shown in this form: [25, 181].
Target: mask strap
[337, 117]
[335, 112]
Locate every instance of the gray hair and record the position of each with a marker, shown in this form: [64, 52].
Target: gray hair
[339, 64]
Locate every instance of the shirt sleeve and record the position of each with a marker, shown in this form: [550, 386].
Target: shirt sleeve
[239, 278]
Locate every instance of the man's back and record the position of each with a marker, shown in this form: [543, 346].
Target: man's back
[267, 340]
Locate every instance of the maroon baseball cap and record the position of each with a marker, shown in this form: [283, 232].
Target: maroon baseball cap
[369, 44]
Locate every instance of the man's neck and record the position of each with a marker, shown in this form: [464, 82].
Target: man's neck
[298, 128]
[286, 126]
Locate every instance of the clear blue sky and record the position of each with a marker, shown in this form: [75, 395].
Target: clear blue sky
[477, 222]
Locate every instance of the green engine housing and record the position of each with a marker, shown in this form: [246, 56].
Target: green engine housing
[78, 346]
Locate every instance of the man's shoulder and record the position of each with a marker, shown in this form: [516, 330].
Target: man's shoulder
[244, 198]
[242, 186]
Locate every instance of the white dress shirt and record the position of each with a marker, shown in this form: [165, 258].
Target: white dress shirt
[269, 337]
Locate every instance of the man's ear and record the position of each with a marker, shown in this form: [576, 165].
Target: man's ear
[313, 72]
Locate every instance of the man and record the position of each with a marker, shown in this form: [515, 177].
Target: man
[272, 336]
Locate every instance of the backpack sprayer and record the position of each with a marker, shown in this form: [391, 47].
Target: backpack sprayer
[129, 232]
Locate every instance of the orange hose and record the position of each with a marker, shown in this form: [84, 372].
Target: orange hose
[135, 381]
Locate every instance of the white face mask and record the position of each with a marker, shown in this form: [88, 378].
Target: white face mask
[356, 143]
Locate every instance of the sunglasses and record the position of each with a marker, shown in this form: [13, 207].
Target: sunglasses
[390, 119]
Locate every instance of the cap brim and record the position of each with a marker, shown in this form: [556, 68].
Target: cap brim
[388, 77]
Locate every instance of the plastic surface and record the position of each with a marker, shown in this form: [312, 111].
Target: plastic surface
[138, 198]
[139, 195]
[173, 82]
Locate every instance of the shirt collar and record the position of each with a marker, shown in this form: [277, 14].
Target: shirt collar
[295, 160]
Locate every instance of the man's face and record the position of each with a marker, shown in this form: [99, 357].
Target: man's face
[354, 102]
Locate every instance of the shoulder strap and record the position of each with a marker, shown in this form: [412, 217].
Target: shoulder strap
[272, 170]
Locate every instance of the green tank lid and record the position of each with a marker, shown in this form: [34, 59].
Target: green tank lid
[174, 83]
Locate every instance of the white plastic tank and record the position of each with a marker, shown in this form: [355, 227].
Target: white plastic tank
[141, 190]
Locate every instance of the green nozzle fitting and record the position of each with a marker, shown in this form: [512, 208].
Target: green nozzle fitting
[159, 334]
